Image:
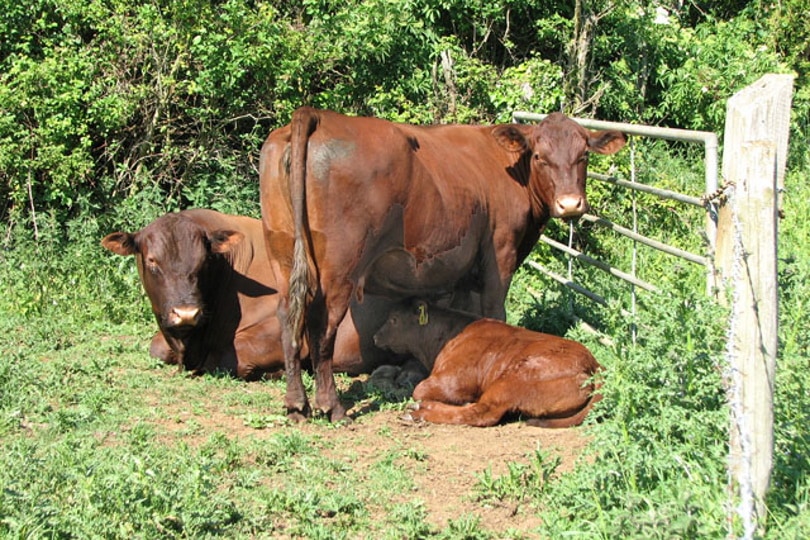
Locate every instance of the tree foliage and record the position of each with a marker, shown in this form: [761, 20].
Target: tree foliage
[104, 100]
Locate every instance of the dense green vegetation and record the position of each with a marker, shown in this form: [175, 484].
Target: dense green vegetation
[113, 112]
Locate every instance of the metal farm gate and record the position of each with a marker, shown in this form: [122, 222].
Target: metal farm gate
[707, 140]
[741, 232]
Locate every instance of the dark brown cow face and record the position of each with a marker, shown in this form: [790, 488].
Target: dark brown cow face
[558, 148]
[399, 332]
[174, 257]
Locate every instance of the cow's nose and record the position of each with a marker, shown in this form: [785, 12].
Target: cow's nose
[570, 206]
[184, 316]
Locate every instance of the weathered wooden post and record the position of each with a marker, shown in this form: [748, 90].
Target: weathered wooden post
[756, 135]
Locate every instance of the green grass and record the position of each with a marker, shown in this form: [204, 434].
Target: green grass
[98, 441]
[84, 455]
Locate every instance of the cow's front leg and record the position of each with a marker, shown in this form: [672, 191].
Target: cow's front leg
[497, 267]
[159, 348]
[178, 346]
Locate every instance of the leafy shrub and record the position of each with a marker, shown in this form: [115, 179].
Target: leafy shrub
[659, 449]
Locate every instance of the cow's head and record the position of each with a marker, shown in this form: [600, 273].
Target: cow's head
[421, 330]
[401, 331]
[557, 150]
[175, 256]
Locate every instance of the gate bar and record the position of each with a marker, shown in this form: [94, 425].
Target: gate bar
[599, 264]
[568, 283]
[710, 159]
[666, 248]
[663, 193]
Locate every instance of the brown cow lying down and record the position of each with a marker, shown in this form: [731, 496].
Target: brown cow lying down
[213, 293]
[485, 368]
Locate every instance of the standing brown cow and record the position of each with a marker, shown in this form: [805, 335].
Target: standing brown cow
[360, 205]
[483, 369]
[208, 279]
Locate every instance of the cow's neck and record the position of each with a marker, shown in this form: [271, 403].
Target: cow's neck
[441, 333]
[539, 210]
[522, 171]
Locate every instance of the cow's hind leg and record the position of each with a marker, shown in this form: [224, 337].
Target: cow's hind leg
[574, 419]
[295, 400]
[323, 324]
[447, 386]
[479, 414]
[450, 399]
[555, 403]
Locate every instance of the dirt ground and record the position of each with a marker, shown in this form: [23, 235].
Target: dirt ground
[451, 458]
[456, 456]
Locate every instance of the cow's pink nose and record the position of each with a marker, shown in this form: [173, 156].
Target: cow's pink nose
[570, 206]
[184, 316]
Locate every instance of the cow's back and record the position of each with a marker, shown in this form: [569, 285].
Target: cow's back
[497, 347]
[409, 179]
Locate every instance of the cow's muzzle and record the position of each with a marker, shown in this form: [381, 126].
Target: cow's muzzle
[569, 207]
[180, 316]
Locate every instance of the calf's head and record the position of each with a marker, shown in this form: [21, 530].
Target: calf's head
[420, 330]
[401, 332]
[557, 150]
[175, 256]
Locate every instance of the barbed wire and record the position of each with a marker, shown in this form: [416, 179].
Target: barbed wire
[746, 509]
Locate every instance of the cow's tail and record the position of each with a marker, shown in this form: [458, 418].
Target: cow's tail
[303, 124]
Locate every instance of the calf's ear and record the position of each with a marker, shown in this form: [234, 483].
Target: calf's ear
[606, 142]
[223, 241]
[511, 138]
[121, 243]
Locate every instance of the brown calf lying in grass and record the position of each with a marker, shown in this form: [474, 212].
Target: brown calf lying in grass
[485, 368]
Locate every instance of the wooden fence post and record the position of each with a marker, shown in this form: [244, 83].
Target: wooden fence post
[756, 134]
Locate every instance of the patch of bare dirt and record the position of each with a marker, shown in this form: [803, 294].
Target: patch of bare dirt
[455, 457]
[450, 458]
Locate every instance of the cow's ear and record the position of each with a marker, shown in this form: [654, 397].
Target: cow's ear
[121, 243]
[606, 142]
[511, 137]
[224, 241]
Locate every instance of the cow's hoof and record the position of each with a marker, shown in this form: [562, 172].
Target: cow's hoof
[335, 414]
[297, 416]
[344, 422]
[411, 420]
[338, 416]
[413, 406]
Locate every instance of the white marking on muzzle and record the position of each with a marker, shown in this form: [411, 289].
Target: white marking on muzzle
[184, 316]
[570, 205]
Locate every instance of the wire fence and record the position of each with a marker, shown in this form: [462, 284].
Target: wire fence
[741, 258]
